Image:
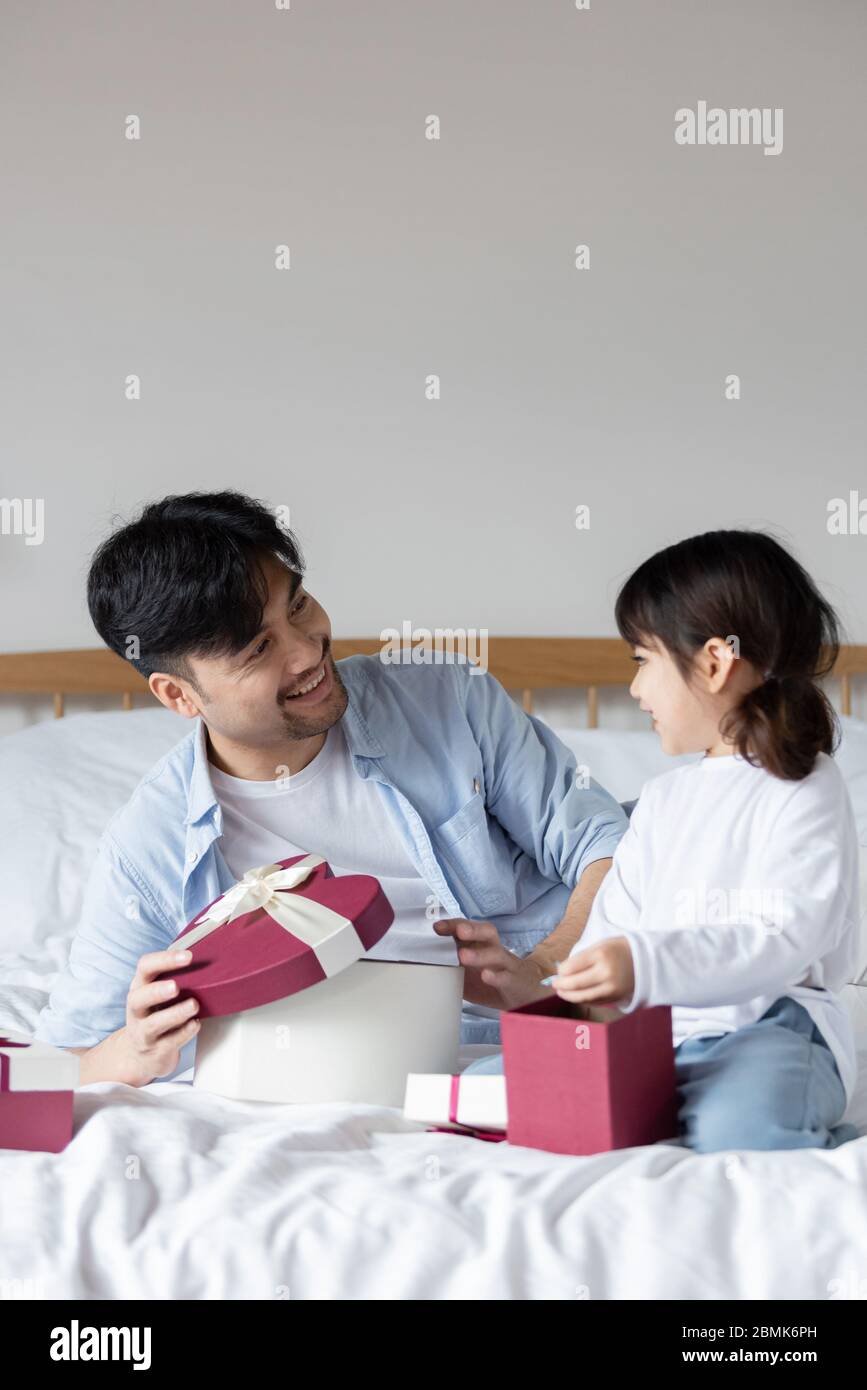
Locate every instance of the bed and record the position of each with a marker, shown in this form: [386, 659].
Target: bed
[167, 1192]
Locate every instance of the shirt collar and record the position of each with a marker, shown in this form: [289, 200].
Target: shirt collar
[362, 742]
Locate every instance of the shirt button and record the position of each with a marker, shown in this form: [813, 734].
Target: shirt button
[192, 856]
[477, 786]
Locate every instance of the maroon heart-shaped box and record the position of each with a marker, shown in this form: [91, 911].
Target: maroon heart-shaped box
[254, 960]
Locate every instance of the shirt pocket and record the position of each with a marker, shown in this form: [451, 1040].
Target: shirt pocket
[475, 851]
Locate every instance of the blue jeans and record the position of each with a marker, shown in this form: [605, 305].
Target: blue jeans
[772, 1084]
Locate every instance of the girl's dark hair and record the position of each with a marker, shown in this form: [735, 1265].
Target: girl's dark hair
[744, 585]
[185, 579]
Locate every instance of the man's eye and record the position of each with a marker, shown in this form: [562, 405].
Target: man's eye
[260, 649]
[299, 607]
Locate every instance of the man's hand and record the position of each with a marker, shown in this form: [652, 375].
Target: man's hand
[603, 974]
[494, 976]
[149, 1045]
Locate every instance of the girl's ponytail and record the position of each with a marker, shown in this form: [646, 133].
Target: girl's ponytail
[782, 725]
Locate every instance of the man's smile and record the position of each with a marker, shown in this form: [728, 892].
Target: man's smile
[316, 688]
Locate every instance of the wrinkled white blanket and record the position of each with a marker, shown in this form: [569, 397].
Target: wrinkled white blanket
[168, 1192]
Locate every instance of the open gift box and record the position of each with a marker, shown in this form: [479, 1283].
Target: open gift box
[37, 1085]
[290, 1008]
[583, 1080]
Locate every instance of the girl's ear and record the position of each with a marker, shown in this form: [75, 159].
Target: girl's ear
[718, 659]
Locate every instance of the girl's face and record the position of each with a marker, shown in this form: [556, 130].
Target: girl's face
[687, 716]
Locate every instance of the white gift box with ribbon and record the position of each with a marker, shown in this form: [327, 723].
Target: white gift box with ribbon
[292, 1011]
[475, 1101]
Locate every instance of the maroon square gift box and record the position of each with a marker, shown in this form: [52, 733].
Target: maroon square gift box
[291, 1009]
[37, 1086]
[587, 1084]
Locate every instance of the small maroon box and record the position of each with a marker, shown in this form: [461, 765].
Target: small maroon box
[586, 1084]
[37, 1094]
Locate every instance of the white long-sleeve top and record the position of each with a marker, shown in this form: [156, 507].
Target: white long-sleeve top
[734, 887]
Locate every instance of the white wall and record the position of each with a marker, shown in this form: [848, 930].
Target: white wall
[410, 257]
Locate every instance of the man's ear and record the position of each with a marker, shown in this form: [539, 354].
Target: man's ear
[175, 696]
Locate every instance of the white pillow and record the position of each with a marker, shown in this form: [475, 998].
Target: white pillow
[60, 783]
[852, 759]
[860, 976]
[623, 760]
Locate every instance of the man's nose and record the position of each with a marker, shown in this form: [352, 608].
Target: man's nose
[303, 660]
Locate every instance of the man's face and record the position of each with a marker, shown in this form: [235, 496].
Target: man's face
[250, 698]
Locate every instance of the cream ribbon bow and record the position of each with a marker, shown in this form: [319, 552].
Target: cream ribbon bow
[303, 918]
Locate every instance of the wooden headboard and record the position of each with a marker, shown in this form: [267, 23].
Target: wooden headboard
[521, 664]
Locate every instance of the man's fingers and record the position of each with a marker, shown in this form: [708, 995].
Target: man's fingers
[445, 927]
[167, 1020]
[481, 957]
[175, 1039]
[155, 963]
[497, 978]
[464, 930]
[478, 931]
[144, 998]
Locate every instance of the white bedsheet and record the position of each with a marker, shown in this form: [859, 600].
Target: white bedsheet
[167, 1192]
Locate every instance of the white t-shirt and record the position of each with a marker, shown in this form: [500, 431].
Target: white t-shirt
[327, 809]
[734, 887]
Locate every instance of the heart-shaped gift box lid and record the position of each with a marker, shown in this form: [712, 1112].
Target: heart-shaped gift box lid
[254, 959]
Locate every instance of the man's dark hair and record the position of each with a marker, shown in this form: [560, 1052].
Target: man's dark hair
[185, 579]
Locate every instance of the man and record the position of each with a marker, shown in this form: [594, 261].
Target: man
[429, 777]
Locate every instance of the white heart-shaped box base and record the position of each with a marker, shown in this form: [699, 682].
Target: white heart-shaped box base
[353, 1037]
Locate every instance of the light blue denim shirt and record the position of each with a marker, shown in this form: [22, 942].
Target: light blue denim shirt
[485, 797]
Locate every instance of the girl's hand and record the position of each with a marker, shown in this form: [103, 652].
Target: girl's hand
[602, 974]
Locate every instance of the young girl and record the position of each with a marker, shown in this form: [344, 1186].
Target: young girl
[733, 895]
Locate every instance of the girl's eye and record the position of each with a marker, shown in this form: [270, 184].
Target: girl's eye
[261, 647]
[299, 607]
